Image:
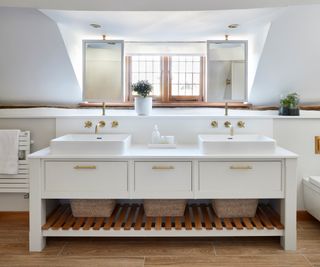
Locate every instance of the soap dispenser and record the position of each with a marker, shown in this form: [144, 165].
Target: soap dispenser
[156, 137]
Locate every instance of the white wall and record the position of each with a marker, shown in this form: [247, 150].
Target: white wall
[291, 57]
[34, 64]
[298, 135]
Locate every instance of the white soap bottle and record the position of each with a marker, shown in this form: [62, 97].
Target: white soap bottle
[156, 135]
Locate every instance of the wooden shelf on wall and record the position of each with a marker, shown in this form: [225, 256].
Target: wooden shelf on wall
[129, 105]
[238, 105]
[130, 220]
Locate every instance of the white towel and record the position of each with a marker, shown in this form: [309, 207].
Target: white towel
[9, 149]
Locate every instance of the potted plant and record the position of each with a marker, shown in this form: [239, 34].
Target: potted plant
[284, 107]
[293, 100]
[142, 102]
[289, 105]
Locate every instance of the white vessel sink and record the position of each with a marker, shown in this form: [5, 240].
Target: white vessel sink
[91, 144]
[237, 144]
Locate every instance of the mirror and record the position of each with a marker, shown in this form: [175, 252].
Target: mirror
[103, 71]
[227, 71]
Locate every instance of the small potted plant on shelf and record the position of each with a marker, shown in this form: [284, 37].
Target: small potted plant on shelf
[143, 100]
[289, 105]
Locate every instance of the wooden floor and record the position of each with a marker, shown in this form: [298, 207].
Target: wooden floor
[222, 252]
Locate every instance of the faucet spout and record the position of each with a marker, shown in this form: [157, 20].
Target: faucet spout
[231, 131]
[100, 124]
[229, 125]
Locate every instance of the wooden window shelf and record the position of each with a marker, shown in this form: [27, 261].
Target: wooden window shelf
[130, 220]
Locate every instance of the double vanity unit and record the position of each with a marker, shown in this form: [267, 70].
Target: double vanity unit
[105, 166]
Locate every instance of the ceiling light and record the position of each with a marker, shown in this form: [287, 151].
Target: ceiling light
[233, 26]
[95, 25]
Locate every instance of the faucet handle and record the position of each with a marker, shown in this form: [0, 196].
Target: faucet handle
[114, 124]
[227, 124]
[241, 124]
[101, 124]
[87, 124]
[214, 124]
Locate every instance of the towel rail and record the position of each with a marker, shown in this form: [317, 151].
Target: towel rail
[18, 183]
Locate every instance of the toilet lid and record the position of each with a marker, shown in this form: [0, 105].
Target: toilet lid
[315, 180]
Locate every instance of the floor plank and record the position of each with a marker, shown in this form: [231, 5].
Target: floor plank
[222, 252]
[230, 261]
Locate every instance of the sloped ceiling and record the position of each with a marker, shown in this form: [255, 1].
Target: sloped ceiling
[152, 5]
[165, 26]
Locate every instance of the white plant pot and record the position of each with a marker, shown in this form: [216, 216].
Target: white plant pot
[143, 105]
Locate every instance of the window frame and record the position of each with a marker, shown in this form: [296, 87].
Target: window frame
[128, 74]
[166, 81]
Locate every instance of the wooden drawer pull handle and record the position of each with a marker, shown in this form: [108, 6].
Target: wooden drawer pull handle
[87, 167]
[163, 167]
[240, 167]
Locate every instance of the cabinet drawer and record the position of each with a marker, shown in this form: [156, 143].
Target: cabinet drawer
[240, 179]
[86, 179]
[162, 179]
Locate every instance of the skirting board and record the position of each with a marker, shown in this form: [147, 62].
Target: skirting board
[303, 215]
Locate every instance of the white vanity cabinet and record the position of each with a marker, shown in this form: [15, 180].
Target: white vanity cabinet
[182, 173]
[85, 179]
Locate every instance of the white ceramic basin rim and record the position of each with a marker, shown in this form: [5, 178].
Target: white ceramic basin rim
[91, 144]
[92, 138]
[237, 144]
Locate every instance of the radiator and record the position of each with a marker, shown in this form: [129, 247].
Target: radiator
[18, 183]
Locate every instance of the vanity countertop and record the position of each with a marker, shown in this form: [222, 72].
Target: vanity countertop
[181, 152]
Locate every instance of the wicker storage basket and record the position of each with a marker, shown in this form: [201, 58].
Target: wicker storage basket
[235, 208]
[92, 207]
[164, 207]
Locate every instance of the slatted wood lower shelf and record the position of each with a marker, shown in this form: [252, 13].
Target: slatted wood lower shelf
[130, 220]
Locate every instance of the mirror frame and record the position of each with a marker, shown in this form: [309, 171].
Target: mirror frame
[245, 42]
[84, 43]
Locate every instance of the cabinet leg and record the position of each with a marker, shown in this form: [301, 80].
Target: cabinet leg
[37, 218]
[289, 207]
[288, 218]
[37, 243]
[37, 208]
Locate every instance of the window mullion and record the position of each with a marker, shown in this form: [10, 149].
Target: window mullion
[129, 78]
[165, 96]
[202, 78]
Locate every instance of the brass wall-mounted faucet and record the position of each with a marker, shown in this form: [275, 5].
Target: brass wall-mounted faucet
[229, 125]
[100, 124]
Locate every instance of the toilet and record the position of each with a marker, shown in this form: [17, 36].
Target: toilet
[311, 192]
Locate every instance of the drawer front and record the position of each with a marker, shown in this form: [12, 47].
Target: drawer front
[86, 179]
[163, 179]
[240, 179]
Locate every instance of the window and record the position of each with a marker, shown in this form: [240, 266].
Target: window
[174, 78]
[147, 68]
[186, 77]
